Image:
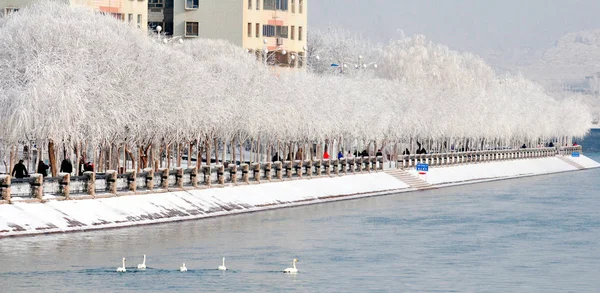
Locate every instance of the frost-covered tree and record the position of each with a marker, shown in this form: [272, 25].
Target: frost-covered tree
[78, 82]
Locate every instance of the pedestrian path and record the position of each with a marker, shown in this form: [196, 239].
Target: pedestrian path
[411, 180]
[570, 162]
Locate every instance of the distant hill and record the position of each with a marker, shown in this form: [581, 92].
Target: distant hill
[573, 57]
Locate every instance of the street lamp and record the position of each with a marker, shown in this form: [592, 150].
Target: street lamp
[267, 54]
[158, 29]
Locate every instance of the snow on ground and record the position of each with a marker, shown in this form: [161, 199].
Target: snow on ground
[501, 170]
[74, 215]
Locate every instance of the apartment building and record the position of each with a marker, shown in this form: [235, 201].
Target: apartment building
[272, 28]
[133, 11]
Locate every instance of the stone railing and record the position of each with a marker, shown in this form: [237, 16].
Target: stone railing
[569, 150]
[91, 185]
[455, 158]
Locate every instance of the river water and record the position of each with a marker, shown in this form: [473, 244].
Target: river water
[539, 234]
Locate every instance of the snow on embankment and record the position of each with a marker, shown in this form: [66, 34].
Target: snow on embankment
[505, 169]
[76, 215]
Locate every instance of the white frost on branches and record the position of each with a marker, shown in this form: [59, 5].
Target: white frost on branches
[70, 74]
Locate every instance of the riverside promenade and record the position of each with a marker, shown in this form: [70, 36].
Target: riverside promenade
[96, 201]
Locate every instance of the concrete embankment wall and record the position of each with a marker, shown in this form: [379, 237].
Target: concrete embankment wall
[53, 216]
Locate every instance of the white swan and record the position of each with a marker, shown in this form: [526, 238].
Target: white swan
[183, 268]
[142, 266]
[122, 269]
[293, 270]
[222, 267]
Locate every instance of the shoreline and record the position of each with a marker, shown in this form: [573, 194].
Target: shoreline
[66, 216]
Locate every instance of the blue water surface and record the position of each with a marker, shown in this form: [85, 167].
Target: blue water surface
[538, 234]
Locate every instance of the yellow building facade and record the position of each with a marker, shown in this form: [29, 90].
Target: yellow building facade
[134, 11]
[276, 29]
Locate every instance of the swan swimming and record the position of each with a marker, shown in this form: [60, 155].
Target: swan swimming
[122, 269]
[293, 270]
[183, 268]
[222, 267]
[142, 266]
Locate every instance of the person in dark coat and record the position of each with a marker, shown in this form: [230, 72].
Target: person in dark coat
[406, 152]
[43, 168]
[88, 167]
[379, 154]
[19, 170]
[364, 153]
[66, 166]
[276, 157]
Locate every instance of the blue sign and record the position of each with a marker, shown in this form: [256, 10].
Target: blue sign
[422, 167]
[575, 154]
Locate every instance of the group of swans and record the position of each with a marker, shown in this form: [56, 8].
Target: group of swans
[183, 268]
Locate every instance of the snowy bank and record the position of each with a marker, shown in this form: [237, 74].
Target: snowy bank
[55, 216]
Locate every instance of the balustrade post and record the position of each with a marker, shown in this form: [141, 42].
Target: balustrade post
[220, 174]
[193, 171]
[343, 165]
[268, 168]
[64, 182]
[318, 164]
[164, 177]
[149, 178]
[5, 187]
[288, 169]
[179, 177]
[299, 166]
[245, 175]
[279, 170]
[233, 174]
[37, 186]
[256, 172]
[131, 180]
[90, 182]
[111, 181]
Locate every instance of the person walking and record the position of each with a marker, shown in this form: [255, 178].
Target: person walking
[66, 166]
[43, 168]
[341, 155]
[19, 170]
[299, 156]
[326, 155]
[350, 156]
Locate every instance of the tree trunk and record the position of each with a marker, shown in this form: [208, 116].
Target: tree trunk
[52, 158]
[216, 151]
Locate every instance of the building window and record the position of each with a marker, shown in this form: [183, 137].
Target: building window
[9, 10]
[119, 16]
[299, 33]
[293, 6]
[156, 3]
[257, 4]
[191, 4]
[191, 29]
[300, 5]
[268, 31]
[282, 31]
[249, 4]
[275, 5]
[249, 29]
[293, 34]
[139, 20]
[130, 17]
[257, 30]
